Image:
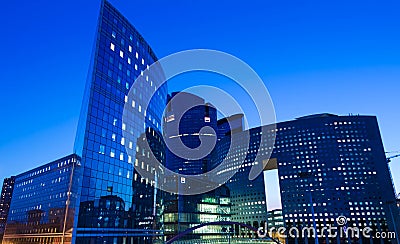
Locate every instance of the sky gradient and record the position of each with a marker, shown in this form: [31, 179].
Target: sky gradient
[314, 56]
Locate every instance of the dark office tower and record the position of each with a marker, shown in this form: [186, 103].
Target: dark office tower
[117, 205]
[5, 201]
[225, 124]
[328, 166]
[43, 203]
[186, 115]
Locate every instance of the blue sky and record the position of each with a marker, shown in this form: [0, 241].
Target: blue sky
[314, 56]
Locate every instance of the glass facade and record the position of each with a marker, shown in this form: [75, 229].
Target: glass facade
[117, 205]
[185, 116]
[328, 166]
[44, 203]
[191, 211]
[5, 201]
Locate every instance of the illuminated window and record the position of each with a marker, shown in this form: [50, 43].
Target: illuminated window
[112, 153]
[129, 61]
[121, 54]
[137, 55]
[130, 48]
[102, 149]
[112, 46]
[114, 34]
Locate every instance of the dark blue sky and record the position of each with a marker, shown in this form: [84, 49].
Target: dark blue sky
[314, 56]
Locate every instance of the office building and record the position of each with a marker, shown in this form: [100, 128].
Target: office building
[43, 203]
[184, 212]
[125, 204]
[186, 115]
[275, 219]
[5, 201]
[274, 222]
[328, 166]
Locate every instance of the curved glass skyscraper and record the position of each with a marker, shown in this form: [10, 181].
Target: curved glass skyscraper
[116, 204]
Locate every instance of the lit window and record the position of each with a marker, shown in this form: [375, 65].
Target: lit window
[143, 61]
[130, 145]
[129, 159]
[137, 55]
[140, 108]
[123, 141]
[114, 34]
[112, 46]
[127, 85]
[130, 48]
[126, 100]
[112, 153]
[121, 156]
[121, 54]
[133, 103]
[207, 119]
[136, 67]
[102, 149]
[129, 61]
[113, 137]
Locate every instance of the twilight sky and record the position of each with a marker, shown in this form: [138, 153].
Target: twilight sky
[314, 56]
